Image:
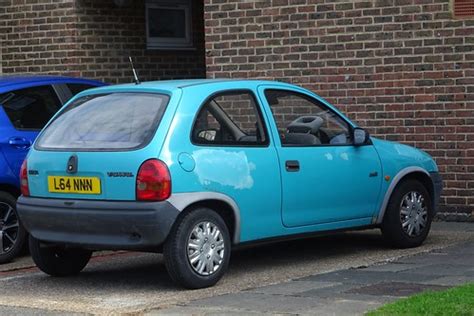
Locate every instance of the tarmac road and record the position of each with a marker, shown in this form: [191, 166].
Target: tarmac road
[135, 283]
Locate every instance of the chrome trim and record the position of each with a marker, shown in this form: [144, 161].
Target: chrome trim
[392, 186]
[182, 200]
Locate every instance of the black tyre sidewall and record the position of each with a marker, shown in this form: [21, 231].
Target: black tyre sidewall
[72, 263]
[22, 235]
[175, 250]
[392, 225]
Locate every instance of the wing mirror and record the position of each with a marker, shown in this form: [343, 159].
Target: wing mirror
[360, 136]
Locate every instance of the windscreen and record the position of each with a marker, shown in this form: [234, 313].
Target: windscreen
[116, 121]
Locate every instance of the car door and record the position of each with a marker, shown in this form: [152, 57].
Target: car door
[325, 178]
[25, 111]
[233, 155]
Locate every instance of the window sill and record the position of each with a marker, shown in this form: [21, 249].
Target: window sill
[171, 48]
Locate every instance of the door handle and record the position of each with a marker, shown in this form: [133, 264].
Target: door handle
[292, 165]
[19, 142]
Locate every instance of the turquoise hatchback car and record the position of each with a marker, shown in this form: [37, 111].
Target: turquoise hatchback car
[195, 168]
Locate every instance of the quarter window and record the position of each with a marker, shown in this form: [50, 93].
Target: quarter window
[303, 121]
[30, 108]
[230, 119]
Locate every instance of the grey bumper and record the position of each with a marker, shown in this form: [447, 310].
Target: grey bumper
[437, 189]
[98, 224]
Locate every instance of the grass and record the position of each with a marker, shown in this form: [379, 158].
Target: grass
[455, 301]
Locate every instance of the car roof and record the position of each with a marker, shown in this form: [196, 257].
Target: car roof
[170, 85]
[8, 81]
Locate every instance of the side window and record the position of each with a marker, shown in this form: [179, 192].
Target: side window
[303, 121]
[75, 88]
[30, 108]
[230, 118]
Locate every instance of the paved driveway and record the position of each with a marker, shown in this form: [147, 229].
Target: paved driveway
[128, 282]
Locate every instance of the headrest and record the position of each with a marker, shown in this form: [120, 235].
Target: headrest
[305, 124]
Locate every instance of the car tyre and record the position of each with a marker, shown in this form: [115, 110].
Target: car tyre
[12, 233]
[197, 250]
[408, 216]
[57, 260]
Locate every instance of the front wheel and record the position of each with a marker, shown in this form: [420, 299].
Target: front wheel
[12, 233]
[408, 216]
[197, 251]
[57, 260]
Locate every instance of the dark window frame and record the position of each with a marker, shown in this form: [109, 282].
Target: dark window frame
[259, 114]
[163, 43]
[74, 93]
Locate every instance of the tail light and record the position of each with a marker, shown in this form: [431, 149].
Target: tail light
[25, 190]
[153, 181]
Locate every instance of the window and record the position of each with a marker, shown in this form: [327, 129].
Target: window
[230, 119]
[463, 8]
[78, 87]
[116, 121]
[303, 121]
[30, 108]
[168, 24]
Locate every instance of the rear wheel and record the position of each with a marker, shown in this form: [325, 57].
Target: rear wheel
[197, 251]
[58, 260]
[408, 217]
[12, 233]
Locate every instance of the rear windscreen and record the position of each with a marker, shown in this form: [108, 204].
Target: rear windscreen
[116, 121]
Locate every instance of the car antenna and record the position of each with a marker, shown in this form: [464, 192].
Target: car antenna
[137, 81]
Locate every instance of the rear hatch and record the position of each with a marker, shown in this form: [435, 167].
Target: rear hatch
[95, 146]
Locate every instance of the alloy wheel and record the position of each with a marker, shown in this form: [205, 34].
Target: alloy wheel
[9, 227]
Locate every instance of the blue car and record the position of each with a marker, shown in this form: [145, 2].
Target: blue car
[195, 168]
[26, 105]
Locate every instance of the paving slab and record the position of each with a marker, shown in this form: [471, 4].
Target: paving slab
[262, 303]
[361, 276]
[292, 288]
[451, 280]
[345, 292]
[440, 270]
[401, 289]
[391, 267]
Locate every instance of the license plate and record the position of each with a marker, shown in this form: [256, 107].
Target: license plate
[80, 185]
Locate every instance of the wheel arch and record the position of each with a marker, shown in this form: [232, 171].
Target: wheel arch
[417, 173]
[224, 205]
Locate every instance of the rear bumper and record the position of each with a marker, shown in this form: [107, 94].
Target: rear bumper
[98, 224]
[437, 188]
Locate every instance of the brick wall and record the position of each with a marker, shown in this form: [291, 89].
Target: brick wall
[91, 39]
[107, 35]
[402, 68]
[37, 36]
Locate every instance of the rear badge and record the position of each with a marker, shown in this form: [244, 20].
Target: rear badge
[120, 174]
